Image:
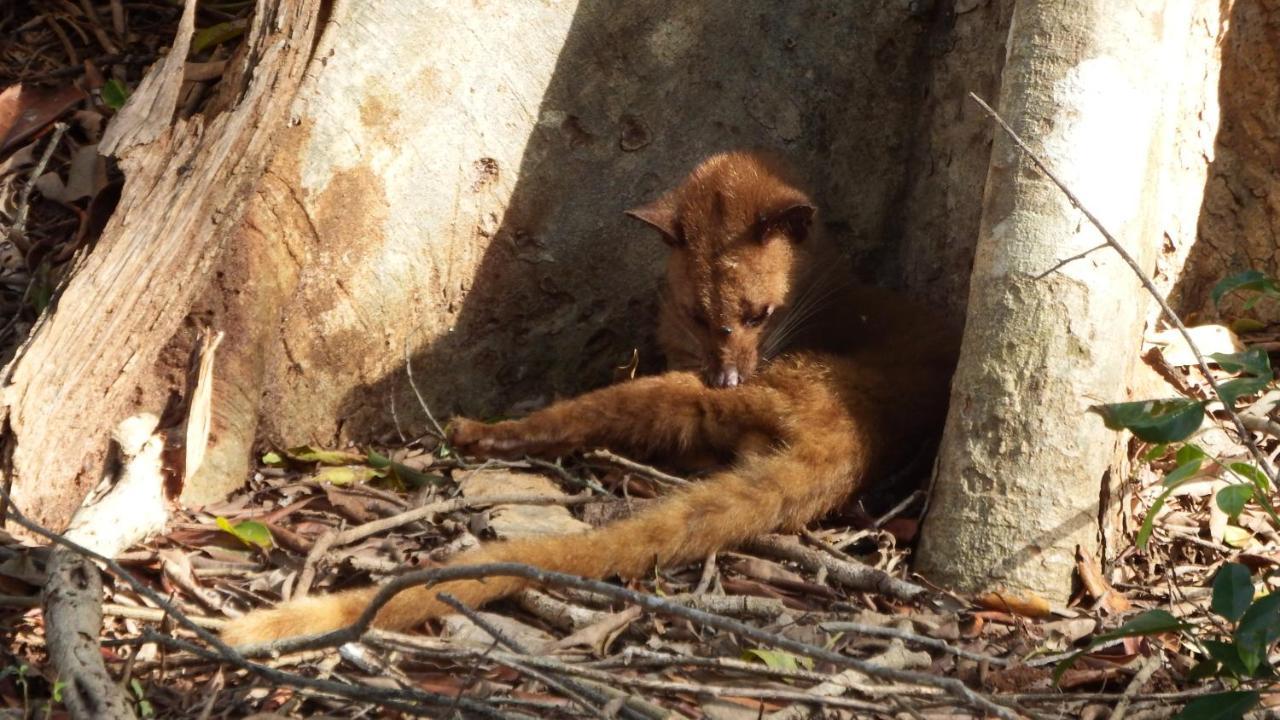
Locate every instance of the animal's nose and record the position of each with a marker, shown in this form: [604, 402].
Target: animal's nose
[726, 378]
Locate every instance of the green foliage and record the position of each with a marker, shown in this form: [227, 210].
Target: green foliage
[350, 467]
[1232, 591]
[1247, 280]
[114, 94]
[250, 532]
[145, 709]
[1220, 706]
[1236, 649]
[1254, 625]
[778, 659]
[1157, 421]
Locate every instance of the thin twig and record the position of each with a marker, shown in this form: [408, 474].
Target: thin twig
[18, 231]
[422, 402]
[639, 468]
[1245, 436]
[1149, 667]
[130, 612]
[1067, 261]
[852, 575]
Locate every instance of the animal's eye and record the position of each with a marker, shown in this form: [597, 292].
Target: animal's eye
[757, 317]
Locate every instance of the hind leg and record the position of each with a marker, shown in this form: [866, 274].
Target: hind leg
[674, 414]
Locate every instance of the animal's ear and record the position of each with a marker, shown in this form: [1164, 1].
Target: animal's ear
[792, 219]
[661, 216]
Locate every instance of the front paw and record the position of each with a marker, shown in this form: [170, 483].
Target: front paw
[509, 439]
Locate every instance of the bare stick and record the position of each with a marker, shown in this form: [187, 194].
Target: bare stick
[635, 467]
[1245, 436]
[422, 402]
[18, 231]
[131, 612]
[852, 575]
[1067, 261]
[1149, 667]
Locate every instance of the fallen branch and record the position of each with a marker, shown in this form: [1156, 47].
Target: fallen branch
[854, 576]
[73, 621]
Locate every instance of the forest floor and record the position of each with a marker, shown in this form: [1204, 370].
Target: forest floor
[818, 612]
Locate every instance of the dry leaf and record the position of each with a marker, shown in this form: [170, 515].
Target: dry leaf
[515, 521]
[1097, 586]
[1208, 338]
[1024, 604]
[599, 635]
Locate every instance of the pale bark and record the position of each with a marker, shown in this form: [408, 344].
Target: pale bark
[1022, 463]
[95, 358]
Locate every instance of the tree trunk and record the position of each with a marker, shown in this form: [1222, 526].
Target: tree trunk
[96, 357]
[1022, 464]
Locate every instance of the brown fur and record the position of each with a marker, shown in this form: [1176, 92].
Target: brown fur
[822, 384]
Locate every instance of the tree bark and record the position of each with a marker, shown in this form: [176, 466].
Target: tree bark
[1096, 88]
[97, 357]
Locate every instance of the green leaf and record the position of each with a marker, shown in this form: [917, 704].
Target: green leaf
[1190, 452]
[1257, 630]
[406, 475]
[114, 94]
[1253, 361]
[346, 474]
[273, 459]
[1156, 452]
[1154, 420]
[249, 532]
[1236, 388]
[306, 453]
[1151, 622]
[1247, 280]
[1248, 472]
[1182, 473]
[1232, 498]
[1227, 656]
[1220, 706]
[217, 34]
[777, 659]
[1243, 325]
[1232, 591]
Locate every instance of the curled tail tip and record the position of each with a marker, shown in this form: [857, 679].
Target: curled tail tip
[304, 616]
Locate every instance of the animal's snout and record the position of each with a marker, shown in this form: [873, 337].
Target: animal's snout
[726, 377]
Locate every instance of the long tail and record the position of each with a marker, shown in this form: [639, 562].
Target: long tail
[786, 490]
